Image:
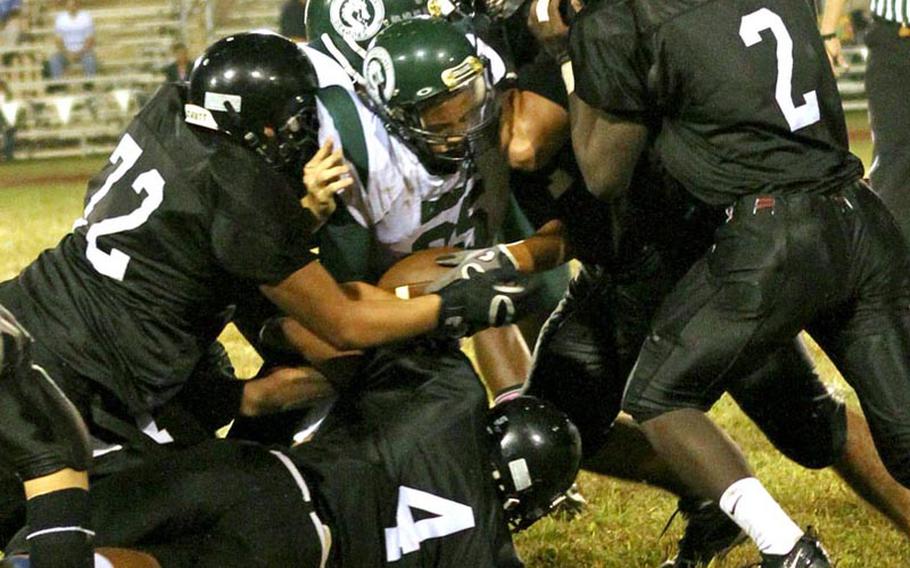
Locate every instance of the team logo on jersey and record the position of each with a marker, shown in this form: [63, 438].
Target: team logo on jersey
[358, 20]
[379, 73]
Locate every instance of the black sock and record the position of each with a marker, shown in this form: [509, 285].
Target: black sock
[58, 534]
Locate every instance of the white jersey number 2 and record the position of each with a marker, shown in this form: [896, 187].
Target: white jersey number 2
[114, 263]
[750, 29]
[451, 517]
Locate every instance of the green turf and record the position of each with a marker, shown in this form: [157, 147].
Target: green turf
[621, 527]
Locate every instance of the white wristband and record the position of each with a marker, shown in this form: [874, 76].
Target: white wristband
[568, 77]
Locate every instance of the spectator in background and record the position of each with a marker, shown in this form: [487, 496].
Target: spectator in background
[75, 41]
[292, 22]
[8, 130]
[10, 22]
[178, 70]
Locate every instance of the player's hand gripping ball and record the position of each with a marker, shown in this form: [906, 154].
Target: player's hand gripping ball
[482, 290]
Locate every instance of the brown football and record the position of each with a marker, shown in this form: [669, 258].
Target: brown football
[409, 276]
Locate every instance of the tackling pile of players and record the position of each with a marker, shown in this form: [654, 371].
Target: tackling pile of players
[715, 220]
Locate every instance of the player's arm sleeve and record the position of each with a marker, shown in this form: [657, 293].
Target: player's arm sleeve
[260, 232]
[608, 65]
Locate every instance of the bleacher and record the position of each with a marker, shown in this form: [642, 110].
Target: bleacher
[76, 115]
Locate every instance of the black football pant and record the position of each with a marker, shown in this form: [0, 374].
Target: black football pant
[589, 345]
[834, 265]
[217, 504]
[41, 433]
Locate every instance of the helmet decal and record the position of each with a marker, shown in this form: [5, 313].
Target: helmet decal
[379, 73]
[521, 476]
[440, 8]
[218, 101]
[357, 20]
[200, 116]
[455, 76]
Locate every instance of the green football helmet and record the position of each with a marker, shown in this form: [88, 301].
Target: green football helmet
[346, 27]
[426, 80]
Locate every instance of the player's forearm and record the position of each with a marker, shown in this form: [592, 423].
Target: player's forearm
[546, 249]
[370, 323]
[539, 128]
[503, 358]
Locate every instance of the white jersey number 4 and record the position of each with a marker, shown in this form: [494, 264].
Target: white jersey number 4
[451, 517]
[114, 263]
[750, 29]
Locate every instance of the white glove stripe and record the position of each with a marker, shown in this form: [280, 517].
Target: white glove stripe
[499, 300]
[505, 250]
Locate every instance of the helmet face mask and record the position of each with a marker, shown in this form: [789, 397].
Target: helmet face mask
[447, 125]
[536, 454]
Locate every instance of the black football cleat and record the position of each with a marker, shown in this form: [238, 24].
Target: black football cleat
[808, 553]
[709, 533]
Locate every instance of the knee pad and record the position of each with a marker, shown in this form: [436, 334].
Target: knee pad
[43, 432]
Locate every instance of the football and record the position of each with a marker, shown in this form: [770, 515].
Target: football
[409, 276]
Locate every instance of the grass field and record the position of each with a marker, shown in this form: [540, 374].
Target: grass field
[621, 527]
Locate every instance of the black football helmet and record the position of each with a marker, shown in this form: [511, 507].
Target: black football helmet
[248, 84]
[536, 455]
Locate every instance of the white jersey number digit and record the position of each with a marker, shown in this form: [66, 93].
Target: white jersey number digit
[114, 263]
[750, 29]
[451, 517]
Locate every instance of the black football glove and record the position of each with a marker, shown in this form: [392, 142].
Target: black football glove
[469, 262]
[485, 299]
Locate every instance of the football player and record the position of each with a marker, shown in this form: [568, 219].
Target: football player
[201, 202]
[412, 473]
[597, 331]
[806, 243]
[347, 40]
[408, 195]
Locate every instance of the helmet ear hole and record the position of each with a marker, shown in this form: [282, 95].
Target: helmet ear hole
[536, 452]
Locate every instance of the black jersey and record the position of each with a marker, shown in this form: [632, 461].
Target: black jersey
[744, 89]
[137, 292]
[403, 472]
